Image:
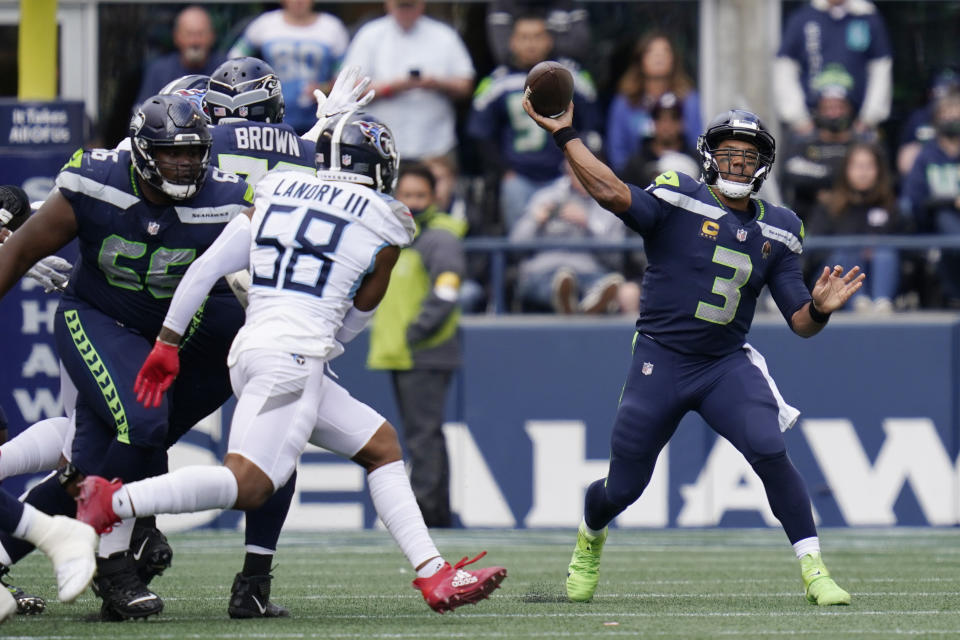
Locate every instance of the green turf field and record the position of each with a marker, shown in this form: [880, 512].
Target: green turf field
[655, 584]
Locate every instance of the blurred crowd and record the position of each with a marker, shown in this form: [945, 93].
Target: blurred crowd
[837, 167]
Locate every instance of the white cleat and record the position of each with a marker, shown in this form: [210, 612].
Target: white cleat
[70, 545]
[8, 606]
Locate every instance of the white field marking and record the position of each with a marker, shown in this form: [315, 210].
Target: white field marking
[858, 633]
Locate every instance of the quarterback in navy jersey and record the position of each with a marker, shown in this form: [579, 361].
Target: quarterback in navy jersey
[711, 247]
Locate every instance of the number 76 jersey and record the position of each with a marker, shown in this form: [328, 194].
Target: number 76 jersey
[708, 265]
[312, 243]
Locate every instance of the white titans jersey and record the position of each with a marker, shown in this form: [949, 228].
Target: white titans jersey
[312, 243]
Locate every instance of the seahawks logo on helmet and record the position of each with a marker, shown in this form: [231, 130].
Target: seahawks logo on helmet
[379, 135]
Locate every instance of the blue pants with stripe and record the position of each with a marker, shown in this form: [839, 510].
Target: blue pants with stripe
[116, 436]
[733, 397]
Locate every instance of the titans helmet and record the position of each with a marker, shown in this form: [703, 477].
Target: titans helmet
[739, 125]
[164, 123]
[244, 89]
[193, 87]
[357, 147]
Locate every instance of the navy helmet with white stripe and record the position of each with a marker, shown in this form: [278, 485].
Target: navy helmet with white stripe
[740, 125]
[170, 145]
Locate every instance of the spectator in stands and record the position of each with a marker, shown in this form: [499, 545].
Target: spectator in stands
[452, 195]
[419, 68]
[829, 40]
[193, 37]
[666, 149]
[655, 70]
[862, 201]
[414, 336]
[932, 189]
[567, 21]
[918, 128]
[813, 160]
[304, 47]
[570, 280]
[513, 148]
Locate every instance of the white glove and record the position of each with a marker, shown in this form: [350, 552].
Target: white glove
[347, 94]
[52, 273]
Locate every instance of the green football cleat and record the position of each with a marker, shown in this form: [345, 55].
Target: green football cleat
[821, 589]
[584, 570]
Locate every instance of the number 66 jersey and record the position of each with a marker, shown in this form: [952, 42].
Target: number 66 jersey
[707, 265]
[312, 242]
[133, 252]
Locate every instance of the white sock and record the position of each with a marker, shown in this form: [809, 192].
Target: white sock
[5, 558]
[593, 533]
[393, 499]
[806, 546]
[430, 568]
[31, 516]
[37, 448]
[195, 488]
[116, 540]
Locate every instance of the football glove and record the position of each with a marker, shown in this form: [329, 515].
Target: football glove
[157, 374]
[53, 273]
[347, 94]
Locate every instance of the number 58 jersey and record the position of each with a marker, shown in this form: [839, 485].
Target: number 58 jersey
[312, 243]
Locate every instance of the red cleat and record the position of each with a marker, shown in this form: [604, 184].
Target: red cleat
[452, 587]
[95, 503]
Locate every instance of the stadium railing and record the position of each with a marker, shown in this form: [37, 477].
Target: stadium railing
[499, 250]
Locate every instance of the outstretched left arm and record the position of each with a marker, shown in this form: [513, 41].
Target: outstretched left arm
[830, 292]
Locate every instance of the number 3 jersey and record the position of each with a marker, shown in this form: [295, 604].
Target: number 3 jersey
[132, 252]
[707, 266]
[312, 243]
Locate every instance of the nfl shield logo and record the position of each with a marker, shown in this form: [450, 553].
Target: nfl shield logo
[647, 368]
[741, 235]
[346, 160]
[153, 228]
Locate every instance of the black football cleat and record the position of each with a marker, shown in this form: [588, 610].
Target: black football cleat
[152, 554]
[250, 598]
[27, 604]
[124, 595]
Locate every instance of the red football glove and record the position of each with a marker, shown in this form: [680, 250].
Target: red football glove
[157, 374]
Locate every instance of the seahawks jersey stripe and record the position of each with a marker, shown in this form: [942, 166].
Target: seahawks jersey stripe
[707, 266]
[132, 252]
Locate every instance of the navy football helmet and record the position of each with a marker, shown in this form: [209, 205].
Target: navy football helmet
[165, 124]
[357, 147]
[192, 87]
[740, 125]
[244, 89]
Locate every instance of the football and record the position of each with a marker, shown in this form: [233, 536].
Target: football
[549, 87]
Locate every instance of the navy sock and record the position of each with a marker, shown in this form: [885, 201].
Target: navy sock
[598, 511]
[11, 511]
[787, 495]
[264, 524]
[256, 564]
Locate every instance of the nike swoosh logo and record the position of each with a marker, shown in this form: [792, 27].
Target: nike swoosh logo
[261, 607]
[143, 545]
